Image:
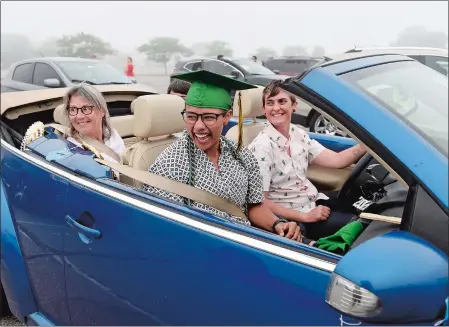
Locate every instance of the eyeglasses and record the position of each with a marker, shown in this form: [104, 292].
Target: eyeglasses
[209, 119]
[86, 110]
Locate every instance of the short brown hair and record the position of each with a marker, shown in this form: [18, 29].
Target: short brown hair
[273, 89]
[179, 86]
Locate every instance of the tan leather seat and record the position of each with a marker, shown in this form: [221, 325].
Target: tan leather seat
[156, 119]
[58, 115]
[251, 108]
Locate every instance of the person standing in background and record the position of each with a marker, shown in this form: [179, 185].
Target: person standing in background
[129, 71]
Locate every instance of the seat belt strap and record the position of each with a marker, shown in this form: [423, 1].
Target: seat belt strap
[178, 188]
[89, 141]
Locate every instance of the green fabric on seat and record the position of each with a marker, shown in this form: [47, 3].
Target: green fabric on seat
[341, 241]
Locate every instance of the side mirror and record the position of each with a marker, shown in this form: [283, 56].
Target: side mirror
[235, 74]
[276, 71]
[52, 82]
[396, 278]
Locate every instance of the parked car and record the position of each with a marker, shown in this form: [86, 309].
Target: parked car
[46, 72]
[434, 58]
[79, 248]
[291, 65]
[242, 69]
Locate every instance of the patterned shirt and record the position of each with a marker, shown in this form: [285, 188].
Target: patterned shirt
[283, 164]
[237, 180]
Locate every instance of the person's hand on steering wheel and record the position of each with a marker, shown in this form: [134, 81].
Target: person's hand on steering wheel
[317, 214]
[289, 230]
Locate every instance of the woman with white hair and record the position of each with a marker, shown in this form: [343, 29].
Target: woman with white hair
[87, 114]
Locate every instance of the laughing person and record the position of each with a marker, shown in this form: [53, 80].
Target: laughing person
[284, 152]
[86, 113]
[205, 159]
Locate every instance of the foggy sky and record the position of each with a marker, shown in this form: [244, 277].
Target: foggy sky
[337, 26]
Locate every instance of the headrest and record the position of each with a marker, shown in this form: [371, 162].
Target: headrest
[157, 115]
[251, 102]
[58, 115]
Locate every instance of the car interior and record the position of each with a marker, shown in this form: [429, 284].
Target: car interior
[151, 123]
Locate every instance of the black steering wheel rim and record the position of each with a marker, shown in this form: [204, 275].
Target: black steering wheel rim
[356, 171]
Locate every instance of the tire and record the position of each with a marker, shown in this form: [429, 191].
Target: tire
[333, 130]
[4, 307]
[313, 120]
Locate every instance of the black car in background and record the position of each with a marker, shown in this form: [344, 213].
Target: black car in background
[242, 69]
[291, 65]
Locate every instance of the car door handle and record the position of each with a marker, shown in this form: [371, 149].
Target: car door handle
[89, 233]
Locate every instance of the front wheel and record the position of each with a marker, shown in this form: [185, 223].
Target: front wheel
[321, 125]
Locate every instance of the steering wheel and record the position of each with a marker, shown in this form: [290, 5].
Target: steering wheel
[356, 171]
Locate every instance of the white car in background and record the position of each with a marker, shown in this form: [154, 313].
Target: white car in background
[434, 58]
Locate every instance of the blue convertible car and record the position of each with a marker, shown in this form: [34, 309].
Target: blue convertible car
[79, 247]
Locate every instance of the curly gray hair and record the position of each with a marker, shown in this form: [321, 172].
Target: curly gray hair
[93, 96]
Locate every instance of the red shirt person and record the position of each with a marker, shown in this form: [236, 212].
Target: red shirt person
[129, 67]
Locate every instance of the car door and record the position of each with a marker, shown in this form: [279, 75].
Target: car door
[222, 68]
[159, 263]
[20, 79]
[437, 63]
[42, 72]
[36, 199]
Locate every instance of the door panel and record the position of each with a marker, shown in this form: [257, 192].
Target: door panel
[328, 179]
[37, 203]
[149, 270]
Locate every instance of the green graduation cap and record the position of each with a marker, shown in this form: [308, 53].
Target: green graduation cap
[210, 90]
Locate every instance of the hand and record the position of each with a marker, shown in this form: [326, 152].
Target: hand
[317, 214]
[359, 151]
[289, 230]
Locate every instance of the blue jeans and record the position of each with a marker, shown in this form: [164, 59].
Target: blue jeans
[341, 215]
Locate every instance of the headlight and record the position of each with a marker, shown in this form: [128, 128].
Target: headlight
[351, 299]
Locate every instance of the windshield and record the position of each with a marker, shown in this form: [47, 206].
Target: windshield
[415, 93]
[252, 67]
[93, 72]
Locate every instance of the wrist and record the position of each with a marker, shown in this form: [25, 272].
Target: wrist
[301, 217]
[277, 222]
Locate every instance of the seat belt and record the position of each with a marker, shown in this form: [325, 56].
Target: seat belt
[97, 145]
[158, 181]
[179, 188]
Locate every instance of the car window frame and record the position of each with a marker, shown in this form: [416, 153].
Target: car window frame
[404, 176]
[425, 213]
[47, 64]
[430, 64]
[226, 64]
[30, 76]
[188, 63]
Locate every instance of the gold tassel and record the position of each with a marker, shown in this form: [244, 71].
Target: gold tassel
[240, 123]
